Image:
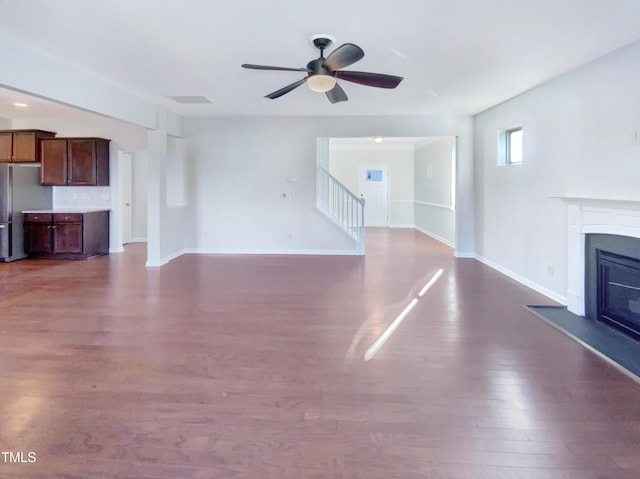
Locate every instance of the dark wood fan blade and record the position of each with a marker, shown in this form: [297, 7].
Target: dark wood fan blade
[343, 56]
[336, 94]
[287, 89]
[267, 67]
[370, 79]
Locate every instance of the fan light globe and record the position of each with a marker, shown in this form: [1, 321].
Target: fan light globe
[321, 83]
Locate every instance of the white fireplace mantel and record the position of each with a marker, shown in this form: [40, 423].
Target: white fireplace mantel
[594, 215]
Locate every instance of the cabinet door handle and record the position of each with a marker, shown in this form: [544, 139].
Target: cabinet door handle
[53, 227]
[2, 226]
[36, 217]
[66, 217]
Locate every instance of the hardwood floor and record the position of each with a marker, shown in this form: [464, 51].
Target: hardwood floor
[252, 367]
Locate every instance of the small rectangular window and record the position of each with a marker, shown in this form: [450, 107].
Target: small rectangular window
[510, 146]
[514, 145]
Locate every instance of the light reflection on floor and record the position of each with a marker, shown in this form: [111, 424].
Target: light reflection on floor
[382, 339]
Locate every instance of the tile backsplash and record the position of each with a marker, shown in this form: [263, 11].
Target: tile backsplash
[81, 197]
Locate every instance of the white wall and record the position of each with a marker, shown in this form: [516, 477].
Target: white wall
[140, 166]
[344, 163]
[433, 183]
[180, 234]
[578, 141]
[241, 170]
[176, 172]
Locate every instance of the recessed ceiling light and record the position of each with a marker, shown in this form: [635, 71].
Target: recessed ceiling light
[378, 139]
[20, 104]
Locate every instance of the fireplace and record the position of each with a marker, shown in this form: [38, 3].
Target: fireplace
[604, 249]
[612, 281]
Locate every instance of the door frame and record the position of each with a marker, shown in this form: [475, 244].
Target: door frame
[125, 163]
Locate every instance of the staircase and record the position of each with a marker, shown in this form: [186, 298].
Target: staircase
[340, 205]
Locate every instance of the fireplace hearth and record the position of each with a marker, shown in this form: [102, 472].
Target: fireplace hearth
[612, 281]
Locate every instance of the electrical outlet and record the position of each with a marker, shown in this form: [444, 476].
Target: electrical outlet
[550, 269]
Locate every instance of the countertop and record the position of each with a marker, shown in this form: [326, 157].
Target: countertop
[67, 210]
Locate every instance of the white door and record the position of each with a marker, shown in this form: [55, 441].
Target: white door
[374, 188]
[125, 195]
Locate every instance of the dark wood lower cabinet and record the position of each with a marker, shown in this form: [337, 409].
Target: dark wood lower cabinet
[66, 235]
[37, 236]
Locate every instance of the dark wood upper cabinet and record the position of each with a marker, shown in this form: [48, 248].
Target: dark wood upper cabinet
[6, 146]
[22, 146]
[75, 162]
[54, 162]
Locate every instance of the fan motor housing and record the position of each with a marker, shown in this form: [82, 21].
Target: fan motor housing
[316, 67]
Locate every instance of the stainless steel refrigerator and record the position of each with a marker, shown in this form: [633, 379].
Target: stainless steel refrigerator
[20, 190]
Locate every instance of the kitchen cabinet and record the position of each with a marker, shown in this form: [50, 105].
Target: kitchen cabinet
[66, 235]
[75, 162]
[68, 232]
[37, 233]
[22, 146]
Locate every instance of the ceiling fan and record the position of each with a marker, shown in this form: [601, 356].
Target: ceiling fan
[323, 72]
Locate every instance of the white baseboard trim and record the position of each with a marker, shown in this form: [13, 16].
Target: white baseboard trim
[116, 250]
[176, 254]
[402, 226]
[166, 259]
[435, 236]
[522, 280]
[464, 255]
[138, 240]
[155, 264]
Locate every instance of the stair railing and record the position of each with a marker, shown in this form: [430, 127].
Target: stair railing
[341, 205]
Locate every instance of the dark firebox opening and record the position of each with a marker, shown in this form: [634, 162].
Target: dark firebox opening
[612, 281]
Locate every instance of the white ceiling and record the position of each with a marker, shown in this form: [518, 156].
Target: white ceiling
[457, 56]
[384, 143]
[36, 107]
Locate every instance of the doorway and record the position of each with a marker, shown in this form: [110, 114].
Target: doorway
[373, 187]
[126, 195]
